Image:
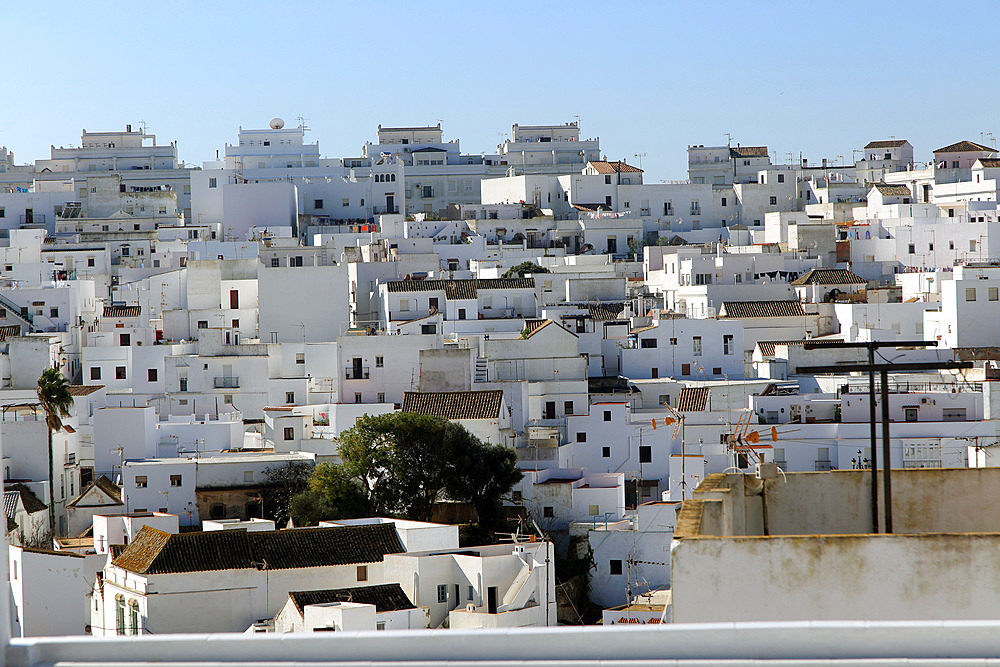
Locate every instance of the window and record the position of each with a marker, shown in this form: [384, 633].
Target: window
[685, 369]
[516, 497]
[95, 373]
[970, 293]
[119, 372]
[53, 312]
[357, 397]
[910, 414]
[289, 433]
[317, 203]
[992, 293]
[227, 399]
[951, 245]
[345, 202]
[774, 201]
[151, 374]
[696, 346]
[432, 303]
[124, 340]
[120, 614]
[972, 245]
[647, 342]
[300, 358]
[654, 373]
[362, 573]
[235, 323]
[615, 567]
[727, 344]
[472, 593]
[781, 178]
[289, 397]
[380, 397]
[378, 362]
[248, 476]
[953, 415]
[606, 452]
[607, 180]
[607, 415]
[716, 370]
[548, 512]
[911, 248]
[442, 593]
[212, 182]
[581, 437]
[645, 454]
[461, 313]
[275, 262]
[673, 341]
[404, 305]
[202, 324]
[930, 247]
[723, 201]
[567, 407]
[594, 510]
[90, 261]
[175, 480]
[140, 481]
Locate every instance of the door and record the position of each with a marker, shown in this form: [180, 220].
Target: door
[491, 600]
[550, 410]
[234, 299]
[612, 245]
[356, 368]
[390, 203]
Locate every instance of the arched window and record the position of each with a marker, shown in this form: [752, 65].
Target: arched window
[133, 608]
[392, 177]
[120, 614]
[362, 202]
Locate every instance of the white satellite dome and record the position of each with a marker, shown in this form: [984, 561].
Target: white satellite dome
[277, 123]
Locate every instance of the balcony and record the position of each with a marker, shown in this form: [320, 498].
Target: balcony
[824, 466]
[227, 383]
[356, 373]
[385, 210]
[33, 219]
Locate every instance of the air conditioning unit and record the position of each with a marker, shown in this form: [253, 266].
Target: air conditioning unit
[925, 401]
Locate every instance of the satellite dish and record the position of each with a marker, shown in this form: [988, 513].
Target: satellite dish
[277, 123]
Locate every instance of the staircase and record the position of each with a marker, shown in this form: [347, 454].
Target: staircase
[13, 310]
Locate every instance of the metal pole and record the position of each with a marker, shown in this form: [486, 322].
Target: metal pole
[873, 433]
[886, 462]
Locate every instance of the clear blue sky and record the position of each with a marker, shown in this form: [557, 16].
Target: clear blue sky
[820, 78]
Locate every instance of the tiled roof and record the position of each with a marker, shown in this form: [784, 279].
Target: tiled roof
[385, 597]
[830, 277]
[11, 494]
[454, 404]
[895, 143]
[546, 323]
[460, 289]
[747, 309]
[106, 486]
[156, 552]
[84, 389]
[964, 147]
[748, 151]
[603, 167]
[531, 325]
[122, 311]
[602, 312]
[990, 162]
[887, 190]
[692, 399]
[9, 330]
[767, 347]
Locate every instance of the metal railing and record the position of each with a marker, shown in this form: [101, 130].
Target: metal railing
[356, 373]
[227, 383]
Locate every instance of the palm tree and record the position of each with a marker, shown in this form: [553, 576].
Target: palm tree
[53, 394]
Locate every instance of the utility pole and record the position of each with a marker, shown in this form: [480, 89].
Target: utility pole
[883, 369]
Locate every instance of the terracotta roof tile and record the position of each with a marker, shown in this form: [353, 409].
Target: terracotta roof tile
[603, 312]
[17, 491]
[692, 399]
[894, 143]
[989, 162]
[830, 277]
[748, 151]
[385, 597]
[454, 404]
[9, 331]
[964, 147]
[887, 190]
[156, 552]
[122, 311]
[84, 389]
[747, 309]
[108, 487]
[460, 289]
[604, 167]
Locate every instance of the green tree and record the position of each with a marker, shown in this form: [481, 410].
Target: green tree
[53, 394]
[281, 484]
[522, 268]
[402, 463]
